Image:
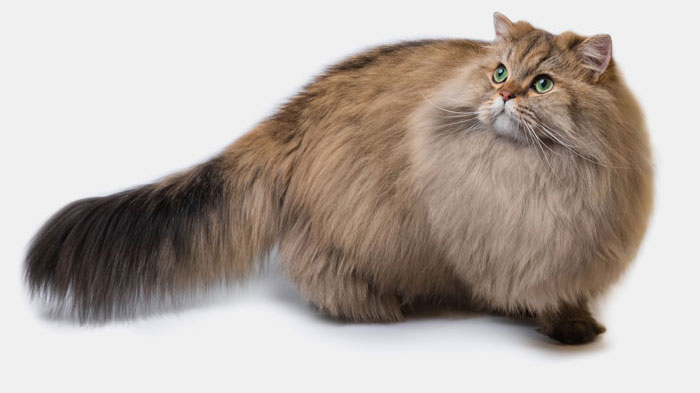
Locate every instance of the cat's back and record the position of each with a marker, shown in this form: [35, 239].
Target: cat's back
[352, 174]
[352, 122]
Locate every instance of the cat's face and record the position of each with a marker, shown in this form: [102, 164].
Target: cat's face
[543, 89]
[528, 80]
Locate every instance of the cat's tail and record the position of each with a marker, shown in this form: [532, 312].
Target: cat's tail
[109, 257]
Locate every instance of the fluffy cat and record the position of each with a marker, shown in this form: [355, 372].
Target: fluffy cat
[512, 176]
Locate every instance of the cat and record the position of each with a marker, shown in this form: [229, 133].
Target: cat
[512, 176]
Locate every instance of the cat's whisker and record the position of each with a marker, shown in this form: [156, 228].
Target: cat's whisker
[540, 144]
[469, 121]
[554, 136]
[527, 132]
[462, 117]
[473, 124]
[575, 147]
[469, 124]
[531, 129]
[441, 108]
[574, 150]
[463, 114]
[536, 119]
[458, 101]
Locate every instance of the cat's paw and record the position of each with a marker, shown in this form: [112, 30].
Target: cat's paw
[574, 331]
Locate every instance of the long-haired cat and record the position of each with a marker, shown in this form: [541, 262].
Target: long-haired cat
[513, 176]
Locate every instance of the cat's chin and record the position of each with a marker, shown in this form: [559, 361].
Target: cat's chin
[506, 126]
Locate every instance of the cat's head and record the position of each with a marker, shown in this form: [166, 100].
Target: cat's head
[543, 89]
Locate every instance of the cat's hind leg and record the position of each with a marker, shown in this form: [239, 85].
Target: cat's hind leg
[331, 282]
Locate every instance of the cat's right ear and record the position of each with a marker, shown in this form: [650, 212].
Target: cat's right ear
[595, 53]
[502, 25]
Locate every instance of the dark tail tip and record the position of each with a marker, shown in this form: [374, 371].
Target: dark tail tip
[56, 267]
[104, 258]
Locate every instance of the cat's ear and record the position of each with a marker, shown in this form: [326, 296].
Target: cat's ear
[502, 25]
[595, 53]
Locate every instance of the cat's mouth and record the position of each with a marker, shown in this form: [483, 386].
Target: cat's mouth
[505, 121]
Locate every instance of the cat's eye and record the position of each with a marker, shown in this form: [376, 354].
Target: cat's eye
[500, 74]
[543, 84]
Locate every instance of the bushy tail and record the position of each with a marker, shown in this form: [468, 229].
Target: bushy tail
[107, 257]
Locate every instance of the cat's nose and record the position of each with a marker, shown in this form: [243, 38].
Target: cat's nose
[506, 95]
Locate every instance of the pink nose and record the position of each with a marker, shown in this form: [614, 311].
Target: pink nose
[507, 95]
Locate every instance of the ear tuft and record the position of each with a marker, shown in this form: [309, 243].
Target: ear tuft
[596, 52]
[502, 25]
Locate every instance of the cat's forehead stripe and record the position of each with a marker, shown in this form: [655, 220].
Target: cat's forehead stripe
[531, 43]
[529, 53]
[526, 71]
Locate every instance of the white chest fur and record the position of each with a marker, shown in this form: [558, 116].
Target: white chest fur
[517, 224]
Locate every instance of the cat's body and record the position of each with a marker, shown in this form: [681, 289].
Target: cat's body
[392, 177]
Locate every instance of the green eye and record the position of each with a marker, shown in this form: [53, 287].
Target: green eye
[543, 84]
[500, 74]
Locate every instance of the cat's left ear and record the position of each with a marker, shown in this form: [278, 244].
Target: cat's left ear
[595, 53]
[502, 25]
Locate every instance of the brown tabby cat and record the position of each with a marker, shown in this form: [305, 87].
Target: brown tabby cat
[513, 176]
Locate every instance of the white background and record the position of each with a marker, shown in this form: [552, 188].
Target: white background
[100, 96]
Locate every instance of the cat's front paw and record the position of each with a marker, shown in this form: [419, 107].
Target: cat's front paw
[573, 331]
